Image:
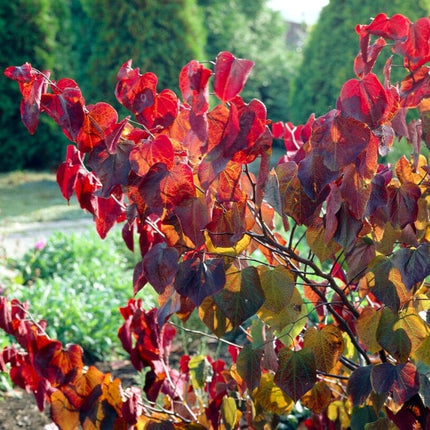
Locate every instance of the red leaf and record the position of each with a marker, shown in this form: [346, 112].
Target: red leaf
[138, 94]
[23, 74]
[134, 91]
[394, 28]
[193, 83]
[65, 107]
[111, 169]
[163, 111]
[402, 380]
[99, 121]
[415, 87]
[403, 204]
[415, 48]
[364, 100]
[144, 155]
[230, 76]
[109, 212]
[161, 188]
[194, 216]
[67, 173]
[30, 104]
[160, 265]
[363, 67]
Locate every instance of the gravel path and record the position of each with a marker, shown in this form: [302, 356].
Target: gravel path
[17, 238]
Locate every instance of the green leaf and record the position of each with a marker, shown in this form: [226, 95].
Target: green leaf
[397, 342]
[199, 368]
[249, 365]
[241, 296]
[296, 373]
[362, 416]
[359, 385]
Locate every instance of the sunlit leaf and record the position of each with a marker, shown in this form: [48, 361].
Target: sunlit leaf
[230, 76]
[315, 236]
[318, 398]
[327, 345]
[367, 325]
[229, 412]
[364, 100]
[149, 152]
[271, 397]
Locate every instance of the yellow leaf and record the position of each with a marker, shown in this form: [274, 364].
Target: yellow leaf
[229, 412]
[327, 345]
[318, 398]
[271, 398]
[232, 251]
[415, 327]
[338, 411]
[367, 324]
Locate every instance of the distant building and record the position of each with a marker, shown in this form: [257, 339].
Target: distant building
[296, 35]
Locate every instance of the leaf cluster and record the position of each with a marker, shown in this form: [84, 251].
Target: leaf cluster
[343, 327]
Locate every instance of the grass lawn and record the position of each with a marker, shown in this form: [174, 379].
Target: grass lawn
[27, 196]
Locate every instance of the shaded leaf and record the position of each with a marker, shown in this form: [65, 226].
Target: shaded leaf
[402, 380]
[359, 385]
[197, 279]
[249, 365]
[241, 296]
[160, 265]
[296, 373]
[413, 263]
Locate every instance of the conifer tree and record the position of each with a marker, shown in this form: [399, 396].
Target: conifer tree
[331, 48]
[33, 31]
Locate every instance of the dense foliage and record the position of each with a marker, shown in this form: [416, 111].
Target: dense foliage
[331, 48]
[30, 29]
[322, 261]
[262, 30]
[160, 36]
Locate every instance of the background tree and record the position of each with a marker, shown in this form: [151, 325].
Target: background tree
[30, 30]
[331, 48]
[251, 30]
[159, 36]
